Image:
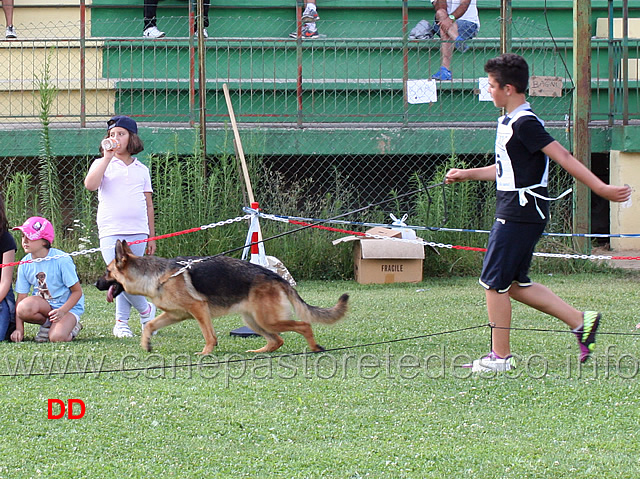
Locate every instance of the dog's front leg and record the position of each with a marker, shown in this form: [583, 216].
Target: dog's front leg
[164, 319]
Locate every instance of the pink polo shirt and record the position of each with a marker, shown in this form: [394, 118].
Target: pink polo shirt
[122, 208]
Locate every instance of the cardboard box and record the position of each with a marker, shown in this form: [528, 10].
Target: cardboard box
[381, 261]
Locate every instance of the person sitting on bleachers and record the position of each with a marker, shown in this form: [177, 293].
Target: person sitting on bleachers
[456, 22]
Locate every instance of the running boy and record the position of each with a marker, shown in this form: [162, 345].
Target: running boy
[57, 301]
[523, 149]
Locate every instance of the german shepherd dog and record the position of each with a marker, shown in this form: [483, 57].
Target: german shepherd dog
[211, 287]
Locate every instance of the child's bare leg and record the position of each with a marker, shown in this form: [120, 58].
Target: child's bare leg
[34, 310]
[499, 310]
[61, 330]
[543, 299]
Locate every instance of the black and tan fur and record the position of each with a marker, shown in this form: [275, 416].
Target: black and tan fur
[214, 287]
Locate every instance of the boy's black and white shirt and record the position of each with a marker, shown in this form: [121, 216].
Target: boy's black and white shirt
[522, 169]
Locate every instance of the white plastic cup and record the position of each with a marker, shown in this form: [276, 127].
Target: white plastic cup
[110, 144]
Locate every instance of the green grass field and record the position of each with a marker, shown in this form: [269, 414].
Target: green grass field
[385, 400]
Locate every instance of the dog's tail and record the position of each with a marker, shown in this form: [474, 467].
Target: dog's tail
[315, 314]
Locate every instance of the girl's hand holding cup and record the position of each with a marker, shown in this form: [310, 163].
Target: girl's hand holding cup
[109, 144]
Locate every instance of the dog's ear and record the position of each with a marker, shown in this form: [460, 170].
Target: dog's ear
[121, 254]
[126, 248]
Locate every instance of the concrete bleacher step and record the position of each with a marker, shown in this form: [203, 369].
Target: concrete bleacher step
[360, 62]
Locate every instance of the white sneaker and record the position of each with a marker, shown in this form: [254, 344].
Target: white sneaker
[205, 33]
[76, 329]
[153, 32]
[43, 335]
[145, 318]
[10, 32]
[491, 362]
[122, 330]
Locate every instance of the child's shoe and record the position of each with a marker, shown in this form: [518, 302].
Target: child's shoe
[492, 362]
[76, 329]
[586, 334]
[43, 334]
[122, 330]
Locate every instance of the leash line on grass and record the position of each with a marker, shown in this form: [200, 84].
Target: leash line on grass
[261, 357]
[236, 361]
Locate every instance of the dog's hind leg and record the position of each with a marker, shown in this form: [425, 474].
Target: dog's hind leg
[275, 320]
[299, 327]
[274, 341]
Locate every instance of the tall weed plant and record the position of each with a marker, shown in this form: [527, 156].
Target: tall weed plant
[48, 177]
[185, 198]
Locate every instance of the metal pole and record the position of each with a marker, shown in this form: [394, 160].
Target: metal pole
[505, 26]
[625, 62]
[83, 65]
[610, 51]
[405, 60]
[192, 70]
[299, 60]
[202, 80]
[581, 114]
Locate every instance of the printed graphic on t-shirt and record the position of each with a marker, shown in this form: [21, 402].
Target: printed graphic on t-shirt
[42, 288]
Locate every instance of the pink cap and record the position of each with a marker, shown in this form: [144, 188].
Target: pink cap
[36, 228]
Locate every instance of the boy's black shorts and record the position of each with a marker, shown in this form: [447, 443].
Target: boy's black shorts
[509, 254]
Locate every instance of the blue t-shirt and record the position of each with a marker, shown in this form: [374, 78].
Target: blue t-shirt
[50, 279]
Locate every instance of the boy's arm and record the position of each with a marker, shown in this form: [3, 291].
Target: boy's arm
[18, 334]
[455, 175]
[580, 172]
[72, 300]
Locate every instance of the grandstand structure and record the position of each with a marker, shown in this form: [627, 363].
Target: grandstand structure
[344, 93]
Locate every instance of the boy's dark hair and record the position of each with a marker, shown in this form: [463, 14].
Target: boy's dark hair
[509, 69]
[134, 146]
[4, 222]
[47, 243]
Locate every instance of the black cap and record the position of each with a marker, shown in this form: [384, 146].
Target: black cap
[123, 122]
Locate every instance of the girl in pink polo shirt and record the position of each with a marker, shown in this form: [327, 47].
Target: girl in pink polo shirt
[125, 208]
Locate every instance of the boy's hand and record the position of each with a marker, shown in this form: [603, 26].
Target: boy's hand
[17, 336]
[455, 175]
[619, 194]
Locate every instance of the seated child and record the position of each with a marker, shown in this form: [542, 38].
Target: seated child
[57, 300]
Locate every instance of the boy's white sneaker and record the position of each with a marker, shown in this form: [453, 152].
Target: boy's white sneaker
[122, 330]
[492, 362]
